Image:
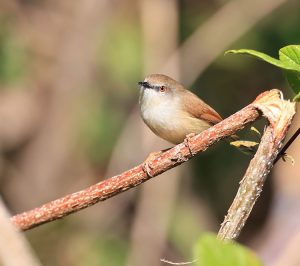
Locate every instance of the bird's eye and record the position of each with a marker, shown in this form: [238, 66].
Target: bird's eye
[162, 89]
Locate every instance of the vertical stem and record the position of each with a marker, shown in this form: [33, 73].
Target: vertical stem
[279, 113]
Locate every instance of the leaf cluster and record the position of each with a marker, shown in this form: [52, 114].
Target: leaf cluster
[289, 62]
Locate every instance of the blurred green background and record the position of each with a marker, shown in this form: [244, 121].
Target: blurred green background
[69, 118]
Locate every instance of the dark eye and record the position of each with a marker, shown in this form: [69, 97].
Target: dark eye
[162, 89]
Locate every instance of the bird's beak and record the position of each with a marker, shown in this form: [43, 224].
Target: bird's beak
[144, 84]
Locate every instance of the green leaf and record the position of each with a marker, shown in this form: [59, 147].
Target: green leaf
[287, 65]
[291, 55]
[210, 251]
[293, 78]
[289, 62]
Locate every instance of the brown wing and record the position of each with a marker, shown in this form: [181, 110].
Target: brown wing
[199, 109]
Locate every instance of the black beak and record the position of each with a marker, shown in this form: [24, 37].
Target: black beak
[144, 84]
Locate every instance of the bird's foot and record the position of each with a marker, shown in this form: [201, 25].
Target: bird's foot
[187, 142]
[146, 165]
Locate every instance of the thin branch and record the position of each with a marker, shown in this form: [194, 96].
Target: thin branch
[287, 145]
[279, 114]
[145, 171]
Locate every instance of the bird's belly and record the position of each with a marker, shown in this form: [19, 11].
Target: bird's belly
[173, 126]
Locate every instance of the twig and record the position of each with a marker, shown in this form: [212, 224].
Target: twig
[279, 114]
[139, 174]
[287, 145]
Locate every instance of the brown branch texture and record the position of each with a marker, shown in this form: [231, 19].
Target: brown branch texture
[279, 114]
[266, 103]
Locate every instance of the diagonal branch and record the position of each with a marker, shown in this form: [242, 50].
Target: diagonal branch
[139, 174]
[287, 145]
[280, 114]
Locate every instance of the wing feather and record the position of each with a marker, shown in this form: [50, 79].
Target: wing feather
[199, 109]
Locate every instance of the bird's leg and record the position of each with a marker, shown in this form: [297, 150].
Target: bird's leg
[187, 142]
[147, 163]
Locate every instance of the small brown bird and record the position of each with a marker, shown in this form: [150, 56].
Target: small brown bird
[173, 112]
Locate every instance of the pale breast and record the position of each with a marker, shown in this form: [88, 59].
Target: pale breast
[172, 125]
[160, 118]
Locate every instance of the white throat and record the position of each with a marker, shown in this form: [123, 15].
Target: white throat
[157, 111]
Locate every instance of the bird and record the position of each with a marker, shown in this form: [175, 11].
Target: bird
[172, 112]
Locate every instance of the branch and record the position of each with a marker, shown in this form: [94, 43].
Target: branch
[287, 145]
[145, 171]
[280, 114]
